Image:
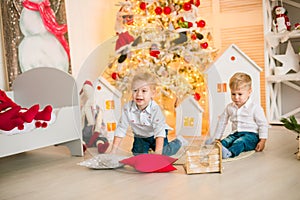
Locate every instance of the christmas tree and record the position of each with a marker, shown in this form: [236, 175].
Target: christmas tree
[169, 39]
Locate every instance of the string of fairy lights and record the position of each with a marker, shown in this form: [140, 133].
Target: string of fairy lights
[171, 41]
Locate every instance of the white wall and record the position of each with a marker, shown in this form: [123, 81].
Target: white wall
[90, 22]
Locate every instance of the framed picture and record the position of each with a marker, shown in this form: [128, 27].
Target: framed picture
[34, 34]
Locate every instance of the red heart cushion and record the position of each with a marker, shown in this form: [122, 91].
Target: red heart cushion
[167, 168]
[151, 163]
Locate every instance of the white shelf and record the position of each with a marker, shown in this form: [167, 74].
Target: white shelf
[274, 39]
[286, 34]
[282, 91]
[283, 78]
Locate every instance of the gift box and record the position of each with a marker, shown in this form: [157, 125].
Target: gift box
[204, 159]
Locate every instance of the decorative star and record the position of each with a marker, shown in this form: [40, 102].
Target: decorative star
[290, 60]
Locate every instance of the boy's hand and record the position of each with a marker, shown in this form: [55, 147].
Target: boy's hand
[260, 145]
[159, 145]
[115, 145]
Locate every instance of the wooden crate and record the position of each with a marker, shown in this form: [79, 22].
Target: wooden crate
[205, 159]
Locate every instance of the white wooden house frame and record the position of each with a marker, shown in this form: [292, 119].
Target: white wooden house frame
[189, 118]
[218, 74]
[108, 98]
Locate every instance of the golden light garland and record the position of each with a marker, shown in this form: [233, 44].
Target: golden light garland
[170, 42]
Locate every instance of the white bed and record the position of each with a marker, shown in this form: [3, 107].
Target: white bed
[46, 86]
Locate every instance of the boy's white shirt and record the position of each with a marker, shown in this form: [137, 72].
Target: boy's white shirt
[250, 117]
[146, 123]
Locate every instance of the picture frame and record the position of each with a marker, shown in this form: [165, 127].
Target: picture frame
[12, 36]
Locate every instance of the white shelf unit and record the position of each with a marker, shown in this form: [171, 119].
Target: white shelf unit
[282, 91]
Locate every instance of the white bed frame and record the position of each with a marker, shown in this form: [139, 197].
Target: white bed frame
[47, 86]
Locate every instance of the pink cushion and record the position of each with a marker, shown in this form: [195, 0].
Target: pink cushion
[151, 163]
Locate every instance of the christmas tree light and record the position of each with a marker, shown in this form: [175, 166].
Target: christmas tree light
[167, 38]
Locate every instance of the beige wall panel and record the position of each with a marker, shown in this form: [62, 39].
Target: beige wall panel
[250, 41]
[235, 6]
[241, 23]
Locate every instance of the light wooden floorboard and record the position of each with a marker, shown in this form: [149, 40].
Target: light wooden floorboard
[51, 173]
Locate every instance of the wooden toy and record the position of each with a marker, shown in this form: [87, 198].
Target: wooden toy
[205, 159]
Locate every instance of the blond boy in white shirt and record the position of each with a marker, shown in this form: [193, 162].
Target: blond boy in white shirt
[146, 120]
[249, 124]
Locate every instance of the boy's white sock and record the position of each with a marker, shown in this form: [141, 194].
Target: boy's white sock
[225, 153]
[183, 141]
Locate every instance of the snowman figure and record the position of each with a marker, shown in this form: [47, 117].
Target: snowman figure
[44, 44]
[281, 21]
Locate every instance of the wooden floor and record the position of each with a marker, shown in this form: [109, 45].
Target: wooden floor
[51, 173]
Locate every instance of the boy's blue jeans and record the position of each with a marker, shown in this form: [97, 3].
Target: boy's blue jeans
[142, 145]
[240, 141]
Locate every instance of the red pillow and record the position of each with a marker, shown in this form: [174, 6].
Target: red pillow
[151, 163]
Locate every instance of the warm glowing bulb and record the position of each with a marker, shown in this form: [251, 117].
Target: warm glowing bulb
[168, 113]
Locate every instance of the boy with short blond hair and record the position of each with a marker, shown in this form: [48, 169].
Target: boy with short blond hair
[146, 120]
[249, 124]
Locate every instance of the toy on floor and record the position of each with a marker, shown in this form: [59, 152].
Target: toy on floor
[13, 116]
[204, 158]
[104, 161]
[94, 130]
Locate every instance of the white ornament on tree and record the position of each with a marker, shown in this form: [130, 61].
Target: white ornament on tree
[290, 61]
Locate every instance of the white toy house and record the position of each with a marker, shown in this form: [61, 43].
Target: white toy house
[218, 74]
[108, 98]
[189, 118]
